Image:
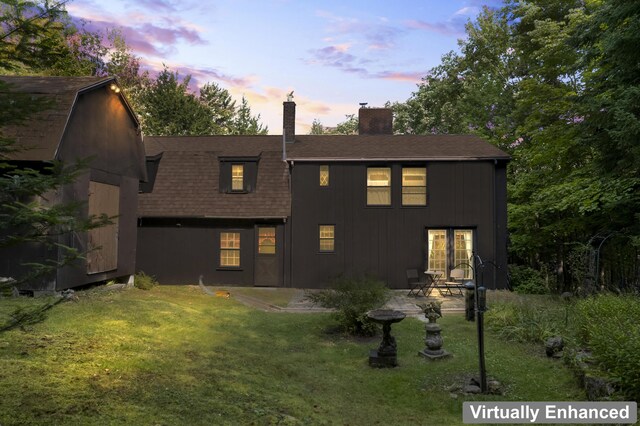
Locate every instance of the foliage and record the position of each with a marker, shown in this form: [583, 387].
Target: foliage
[316, 128]
[608, 326]
[527, 319]
[167, 107]
[353, 298]
[31, 34]
[347, 127]
[174, 355]
[555, 84]
[144, 281]
[525, 280]
[244, 123]
[431, 310]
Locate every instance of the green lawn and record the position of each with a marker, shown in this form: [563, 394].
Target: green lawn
[174, 356]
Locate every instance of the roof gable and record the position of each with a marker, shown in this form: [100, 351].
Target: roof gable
[40, 136]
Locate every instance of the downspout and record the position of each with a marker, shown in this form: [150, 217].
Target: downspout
[495, 225]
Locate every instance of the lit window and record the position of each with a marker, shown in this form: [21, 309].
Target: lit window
[414, 186]
[450, 249]
[267, 240]
[327, 238]
[437, 250]
[237, 177]
[229, 249]
[324, 175]
[378, 186]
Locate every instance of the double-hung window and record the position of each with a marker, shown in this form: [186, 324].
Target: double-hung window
[379, 186]
[414, 186]
[327, 238]
[237, 177]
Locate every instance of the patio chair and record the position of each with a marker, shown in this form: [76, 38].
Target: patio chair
[455, 281]
[416, 283]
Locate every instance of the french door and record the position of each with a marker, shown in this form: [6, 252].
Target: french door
[449, 248]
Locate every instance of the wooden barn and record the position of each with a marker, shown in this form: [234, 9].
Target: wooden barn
[298, 210]
[86, 118]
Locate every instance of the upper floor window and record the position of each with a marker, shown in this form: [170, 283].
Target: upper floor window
[237, 177]
[324, 175]
[414, 186]
[378, 186]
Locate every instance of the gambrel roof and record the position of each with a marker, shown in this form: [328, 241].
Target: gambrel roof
[40, 136]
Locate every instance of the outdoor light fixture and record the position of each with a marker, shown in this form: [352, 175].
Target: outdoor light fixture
[115, 88]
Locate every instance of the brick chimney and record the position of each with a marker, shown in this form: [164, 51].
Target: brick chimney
[289, 121]
[375, 121]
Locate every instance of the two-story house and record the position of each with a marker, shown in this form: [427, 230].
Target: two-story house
[298, 210]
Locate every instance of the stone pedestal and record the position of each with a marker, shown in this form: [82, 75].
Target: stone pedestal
[433, 342]
[386, 354]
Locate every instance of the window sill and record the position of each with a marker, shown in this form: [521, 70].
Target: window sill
[229, 268]
[237, 192]
[326, 252]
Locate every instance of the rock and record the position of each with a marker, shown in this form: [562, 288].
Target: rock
[472, 389]
[494, 387]
[597, 388]
[553, 346]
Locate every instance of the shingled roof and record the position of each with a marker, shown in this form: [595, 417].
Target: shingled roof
[187, 181]
[40, 137]
[392, 147]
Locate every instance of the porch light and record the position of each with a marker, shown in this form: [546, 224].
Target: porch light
[114, 88]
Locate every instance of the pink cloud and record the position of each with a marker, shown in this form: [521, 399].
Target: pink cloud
[412, 77]
[445, 28]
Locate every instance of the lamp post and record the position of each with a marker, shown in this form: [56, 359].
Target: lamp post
[480, 297]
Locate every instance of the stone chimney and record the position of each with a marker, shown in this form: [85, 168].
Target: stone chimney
[289, 121]
[375, 121]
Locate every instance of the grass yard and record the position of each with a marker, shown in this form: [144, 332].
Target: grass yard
[175, 356]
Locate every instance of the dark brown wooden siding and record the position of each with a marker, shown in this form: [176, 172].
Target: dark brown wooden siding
[180, 251]
[102, 130]
[385, 241]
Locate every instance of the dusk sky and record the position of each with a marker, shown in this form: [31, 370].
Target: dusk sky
[333, 54]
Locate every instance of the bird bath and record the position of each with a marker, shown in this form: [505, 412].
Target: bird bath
[385, 355]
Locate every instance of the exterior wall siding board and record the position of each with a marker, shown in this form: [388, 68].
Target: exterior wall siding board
[385, 241]
[180, 251]
[114, 160]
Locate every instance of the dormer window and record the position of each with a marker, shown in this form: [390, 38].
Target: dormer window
[237, 177]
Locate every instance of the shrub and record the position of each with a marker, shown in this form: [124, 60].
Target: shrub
[353, 298]
[608, 326]
[525, 320]
[525, 280]
[144, 281]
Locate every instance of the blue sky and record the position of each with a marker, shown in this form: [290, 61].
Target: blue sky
[333, 54]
